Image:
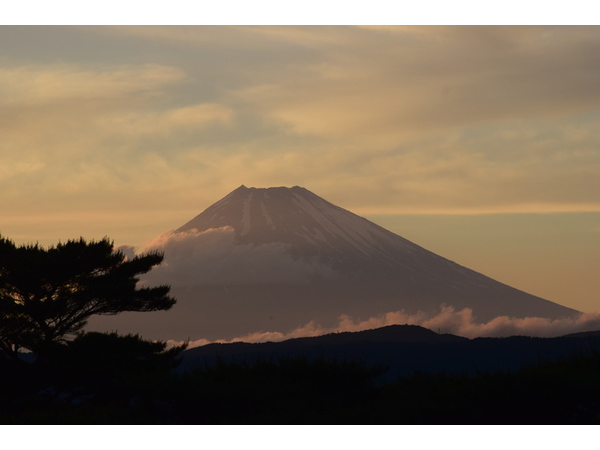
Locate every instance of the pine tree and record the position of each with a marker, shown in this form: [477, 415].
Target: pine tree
[48, 294]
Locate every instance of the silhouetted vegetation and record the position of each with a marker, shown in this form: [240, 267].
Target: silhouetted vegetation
[48, 294]
[93, 373]
[119, 389]
[46, 297]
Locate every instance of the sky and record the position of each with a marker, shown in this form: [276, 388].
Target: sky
[478, 143]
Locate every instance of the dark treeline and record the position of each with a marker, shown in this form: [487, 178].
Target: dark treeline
[133, 383]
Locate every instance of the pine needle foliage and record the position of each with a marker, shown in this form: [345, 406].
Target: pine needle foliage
[48, 294]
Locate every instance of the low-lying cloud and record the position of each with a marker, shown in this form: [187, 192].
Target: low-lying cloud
[197, 258]
[449, 320]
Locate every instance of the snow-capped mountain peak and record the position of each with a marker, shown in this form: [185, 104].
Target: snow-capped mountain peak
[357, 249]
[280, 258]
[305, 221]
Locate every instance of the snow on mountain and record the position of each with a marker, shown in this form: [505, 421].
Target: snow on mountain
[295, 216]
[273, 259]
[315, 228]
[312, 227]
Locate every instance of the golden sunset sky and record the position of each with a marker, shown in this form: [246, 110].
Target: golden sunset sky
[481, 143]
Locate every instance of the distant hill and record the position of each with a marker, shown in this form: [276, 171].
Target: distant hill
[390, 334]
[584, 334]
[404, 350]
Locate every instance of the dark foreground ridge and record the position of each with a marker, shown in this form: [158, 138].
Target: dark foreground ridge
[403, 350]
[392, 375]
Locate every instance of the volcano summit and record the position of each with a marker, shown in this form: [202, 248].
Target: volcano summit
[273, 259]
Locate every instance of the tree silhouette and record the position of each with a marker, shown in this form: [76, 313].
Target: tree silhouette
[47, 294]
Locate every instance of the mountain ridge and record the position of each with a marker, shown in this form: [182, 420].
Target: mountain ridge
[402, 350]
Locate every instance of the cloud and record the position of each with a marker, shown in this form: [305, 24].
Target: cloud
[52, 113]
[141, 124]
[431, 79]
[71, 104]
[246, 38]
[38, 85]
[127, 250]
[75, 135]
[212, 257]
[448, 320]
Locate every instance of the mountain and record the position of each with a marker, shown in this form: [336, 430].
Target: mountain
[274, 259]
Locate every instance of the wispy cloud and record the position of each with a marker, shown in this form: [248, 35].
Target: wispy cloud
[194, 258]
[36, 85]
[433, 78]
[141, 124]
